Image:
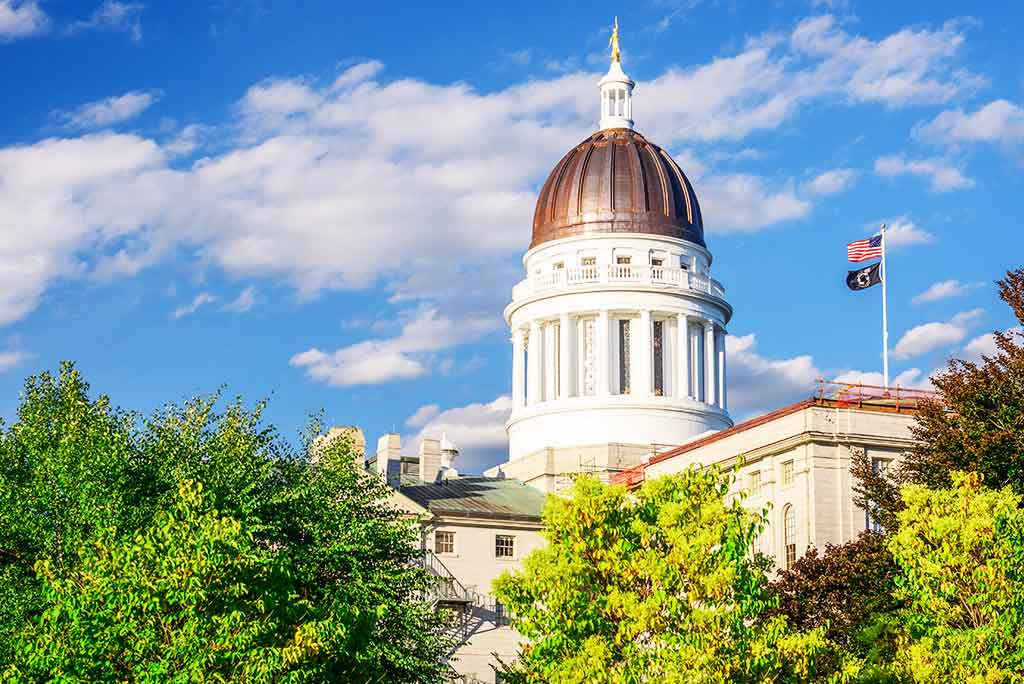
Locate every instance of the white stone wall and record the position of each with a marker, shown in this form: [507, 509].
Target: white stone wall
[476, 566]
[818, 440]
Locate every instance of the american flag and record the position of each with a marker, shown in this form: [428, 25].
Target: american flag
[862, 250]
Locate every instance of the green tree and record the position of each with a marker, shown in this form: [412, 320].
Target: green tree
[961, 552]
[76, 473]
[192, 598]
[655, 585]
[976, 424]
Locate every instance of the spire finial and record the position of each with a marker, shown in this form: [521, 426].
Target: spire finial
[614, 42]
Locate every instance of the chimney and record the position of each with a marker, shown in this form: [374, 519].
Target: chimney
[449, 452]
[351, 433]
[430, 459]
[389, 459]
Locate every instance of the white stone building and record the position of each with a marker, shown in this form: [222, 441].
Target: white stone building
[619, 372]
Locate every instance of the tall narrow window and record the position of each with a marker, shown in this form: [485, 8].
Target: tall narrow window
[557, 352]
[789, 530]
[624, 357]
[659, 358]
[589, 358]
[787, 473]
[755, 482]
[879, 466]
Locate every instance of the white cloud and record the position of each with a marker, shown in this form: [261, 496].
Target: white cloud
[941, 176]
[109, 111]
[19, 19]
[758, 384]
[199, 301]
[901, 232]
[243, 302]
[945, 289]
[830, 182]
[924, 338]
[398, 358]
[985, 345]
[12, 358]
[428, 187]
[742, 203]
[112, 15]
[423, 415]
[999, 121]
[478, 430]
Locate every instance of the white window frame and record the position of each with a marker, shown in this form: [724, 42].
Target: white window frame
[454, 538]
[788, 473]
[514, 545]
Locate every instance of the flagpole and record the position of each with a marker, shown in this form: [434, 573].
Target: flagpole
[885, 320]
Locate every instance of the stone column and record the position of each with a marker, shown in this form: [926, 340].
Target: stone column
[518, 368]
[643, 381]
[534, 360]
[722, 404]
[709, 358]
[682, 356]
[602, 333]
[565, 360]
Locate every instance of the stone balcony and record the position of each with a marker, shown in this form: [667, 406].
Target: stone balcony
[616, 275]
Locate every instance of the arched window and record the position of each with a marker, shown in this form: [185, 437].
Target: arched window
[789, 532]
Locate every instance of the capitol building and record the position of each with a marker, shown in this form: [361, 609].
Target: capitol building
[619, 371]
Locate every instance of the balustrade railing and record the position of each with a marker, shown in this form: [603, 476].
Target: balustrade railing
[617, 273]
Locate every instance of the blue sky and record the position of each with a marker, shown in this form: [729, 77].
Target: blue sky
[328, 207]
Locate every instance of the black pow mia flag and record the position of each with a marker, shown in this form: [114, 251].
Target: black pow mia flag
[863, 278]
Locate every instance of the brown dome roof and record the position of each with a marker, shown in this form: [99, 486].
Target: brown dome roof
[616, 181]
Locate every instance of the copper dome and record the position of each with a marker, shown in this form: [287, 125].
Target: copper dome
[616, 181]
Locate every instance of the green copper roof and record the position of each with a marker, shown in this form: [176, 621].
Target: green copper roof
[479, 497]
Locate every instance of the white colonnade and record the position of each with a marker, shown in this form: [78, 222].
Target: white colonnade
[642, 353]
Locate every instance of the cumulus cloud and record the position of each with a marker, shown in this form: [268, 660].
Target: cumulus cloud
[830, 182]
[21, 18]
[999, 121]
[912, 378]
[985, 345]
[924, 338]
[945, 289]
[901, 232]
[758, 384]
[405, 356]
[199, 301]
[941, 175]
[112, 15]
[428, 188]
[108, 111]
[11, 358]
[478, 430]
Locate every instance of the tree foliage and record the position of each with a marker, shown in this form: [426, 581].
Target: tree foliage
[976, 424]
[961, 552]
[847, 590]
[656, 585]
[315, 563]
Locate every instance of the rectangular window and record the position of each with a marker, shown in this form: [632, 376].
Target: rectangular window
[657, 261]
[444, 542]
[659, 358]
[588, 261]
[558, 265]
[755, 482]
[504, 546]
[623, 260]
[879, 466]
[623, 357]
[787, 473]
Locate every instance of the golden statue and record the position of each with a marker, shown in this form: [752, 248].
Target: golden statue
[614, 41]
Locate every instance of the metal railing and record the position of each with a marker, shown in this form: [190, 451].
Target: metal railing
[617, 273]
[858, 394]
